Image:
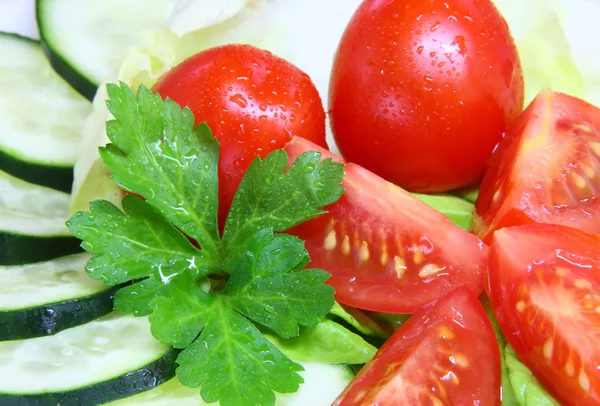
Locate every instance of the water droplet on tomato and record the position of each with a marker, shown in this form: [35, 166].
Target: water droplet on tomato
[239, 99]
[460, 45]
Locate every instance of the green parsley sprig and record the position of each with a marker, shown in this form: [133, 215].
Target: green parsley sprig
[213, 301]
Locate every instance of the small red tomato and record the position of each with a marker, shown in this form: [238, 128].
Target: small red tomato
[544, 286]
[386, 250]
[545, 169]
[253, 101]
[446, 354]
[422, 90]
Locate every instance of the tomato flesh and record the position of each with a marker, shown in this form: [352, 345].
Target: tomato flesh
[446, 354]
[388, 251]
[545, 170]
[544, 286]
[422, 90]
[253, 101]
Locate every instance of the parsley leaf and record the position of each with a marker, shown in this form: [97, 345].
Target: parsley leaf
[157, 153]
[208, 301]
[225, 353]
[268, 197]
[133, 244]
[136, 298]
[264, 287]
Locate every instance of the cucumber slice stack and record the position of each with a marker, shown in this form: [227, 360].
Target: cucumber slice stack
[61, 343]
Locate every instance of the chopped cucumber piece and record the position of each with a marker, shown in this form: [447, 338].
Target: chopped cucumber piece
[32, 223]
[48, 297]
[107, 359]
[322, 384]
[86, 40]
[41, 117]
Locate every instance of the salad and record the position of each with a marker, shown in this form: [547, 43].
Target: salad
[184, 222]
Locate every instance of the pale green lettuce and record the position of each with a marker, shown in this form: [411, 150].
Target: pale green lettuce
[327, 342]
[556, 45]
[526, 388]
[458, 210]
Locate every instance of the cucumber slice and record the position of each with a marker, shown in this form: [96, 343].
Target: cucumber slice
[41, 117]
[32, 223]
[322, 385]
[48, 297]
[107, 359]
[90, 48]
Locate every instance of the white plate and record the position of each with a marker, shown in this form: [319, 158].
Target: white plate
[18, 16]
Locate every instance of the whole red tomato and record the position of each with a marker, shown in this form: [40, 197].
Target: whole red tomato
[422, 90]
[253, 101]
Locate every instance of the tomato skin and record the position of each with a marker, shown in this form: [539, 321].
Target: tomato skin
[385, 249]
[545, 169]
[544, 286]
[445, 354]
[298, 145]
[253, 101]
[421, 90]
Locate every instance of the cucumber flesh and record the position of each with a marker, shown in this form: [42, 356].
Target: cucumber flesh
[48, 297]
[322, 385]
[41, 116]
[89, 49]
[104, 360]
[32, 223]
[46, 282]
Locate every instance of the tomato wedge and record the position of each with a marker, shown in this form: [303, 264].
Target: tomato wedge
[544, 285]
[385, 249]
[446, 354]
[545, 170]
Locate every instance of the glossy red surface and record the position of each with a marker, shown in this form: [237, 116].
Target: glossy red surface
[545, 170]
[253, 101]
[544, 286]
[446, 354]
[421, 90]
[386, 250]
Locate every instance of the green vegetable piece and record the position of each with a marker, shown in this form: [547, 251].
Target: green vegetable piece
[547, 59]
[128, 245]
[156, 153]
[358, 320]
[226, 354]
[507, 393]
[136, 298]
[389, 321]
[527, 389]
[470, 195]
[327, 342]
[264, 286]
[459, 211]
[269, 198]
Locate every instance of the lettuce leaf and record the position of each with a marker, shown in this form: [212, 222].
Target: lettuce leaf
[458, 210]
[526, 388]
[327, 342]
[554, 46]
